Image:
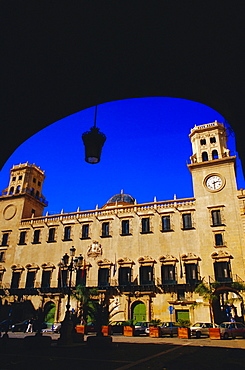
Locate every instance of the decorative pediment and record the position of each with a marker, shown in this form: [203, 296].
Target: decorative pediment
[221, 255]
[190, 258]
[32, 266]
[125, 261]
[168, 259]
[105, 263]
[17, 267]
[146, 260]
[48, 266]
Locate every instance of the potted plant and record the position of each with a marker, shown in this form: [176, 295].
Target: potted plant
[128, 328]
[154, 329]
[184, 331]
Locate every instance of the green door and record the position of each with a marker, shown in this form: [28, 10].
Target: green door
[182, 315]
[138, 312]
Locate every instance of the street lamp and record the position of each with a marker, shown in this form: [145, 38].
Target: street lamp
[67, 324]
[93, 141]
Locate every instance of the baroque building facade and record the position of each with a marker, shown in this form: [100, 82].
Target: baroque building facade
[145, 259]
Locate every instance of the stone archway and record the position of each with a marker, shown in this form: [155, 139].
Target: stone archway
[229, 303]
[49, 311]
[138, 311]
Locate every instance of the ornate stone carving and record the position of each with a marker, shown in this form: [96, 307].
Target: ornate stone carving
[94, 250]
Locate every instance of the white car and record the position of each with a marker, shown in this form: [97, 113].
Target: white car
[201, 328]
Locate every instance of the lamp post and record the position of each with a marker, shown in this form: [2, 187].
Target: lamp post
[67, 324]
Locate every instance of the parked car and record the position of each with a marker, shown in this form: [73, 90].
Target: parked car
[140, 327]
[91, 327]
[167, 328]
[20, 326]
[56, 327]
[232, 330]
[117, 326]
[200, 328]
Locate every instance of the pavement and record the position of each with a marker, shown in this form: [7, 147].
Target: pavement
[124, 353]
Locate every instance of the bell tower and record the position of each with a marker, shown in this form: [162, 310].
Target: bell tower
[208, 142]
[212, 167]
[23, 197]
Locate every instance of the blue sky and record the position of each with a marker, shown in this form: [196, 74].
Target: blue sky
[145, 154]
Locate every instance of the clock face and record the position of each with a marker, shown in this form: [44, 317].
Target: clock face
[214, 182]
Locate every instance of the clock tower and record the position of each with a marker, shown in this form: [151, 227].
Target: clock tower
[23, 197]
[217, 217]
[212, 167]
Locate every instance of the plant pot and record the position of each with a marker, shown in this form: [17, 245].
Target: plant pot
[154, 331]
[81, 329]
[128, 331]
[184, 333]
[106, 330]
[214, 333]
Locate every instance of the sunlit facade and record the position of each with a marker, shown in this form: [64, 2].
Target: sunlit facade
[143, 258]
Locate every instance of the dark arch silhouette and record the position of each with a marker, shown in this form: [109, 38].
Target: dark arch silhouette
[101, 56]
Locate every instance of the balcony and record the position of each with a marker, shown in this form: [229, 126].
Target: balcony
[225, 279]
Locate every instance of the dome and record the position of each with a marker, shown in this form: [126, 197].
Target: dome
[121, 198]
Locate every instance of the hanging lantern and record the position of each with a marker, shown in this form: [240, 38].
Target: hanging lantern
[93, 141]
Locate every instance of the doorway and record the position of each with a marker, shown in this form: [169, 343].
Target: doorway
[138, 311]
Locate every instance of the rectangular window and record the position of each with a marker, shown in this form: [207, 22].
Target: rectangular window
[145, 225]
[191, 273]
[216, 218]
[62, 278]
[105, 229]
[168, 274]
[146, 275]
[166, 223]
[30, 279]
[22, 237]
[81, 277]
[46, 278]
[5, 239]
[222, 271]
[36, 236]
[2, 256]
[67, 233]
[85, 231]
[125, 227]
[124, 275]
[51, 235]
[187, 221]
[103, 277]
[1, 278]
[218, 239]
[15, 280]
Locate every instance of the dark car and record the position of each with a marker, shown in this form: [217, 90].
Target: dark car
[232, 330]
[140, 327]
[169, 328]
[20, 326]
[117, 326]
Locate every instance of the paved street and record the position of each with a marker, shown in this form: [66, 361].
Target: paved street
[126, 353]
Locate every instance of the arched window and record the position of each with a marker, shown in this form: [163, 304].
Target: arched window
[32, 191]
[204, 156]
[37, 194]
[11, 190]
[215, 154]
[17, 189]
